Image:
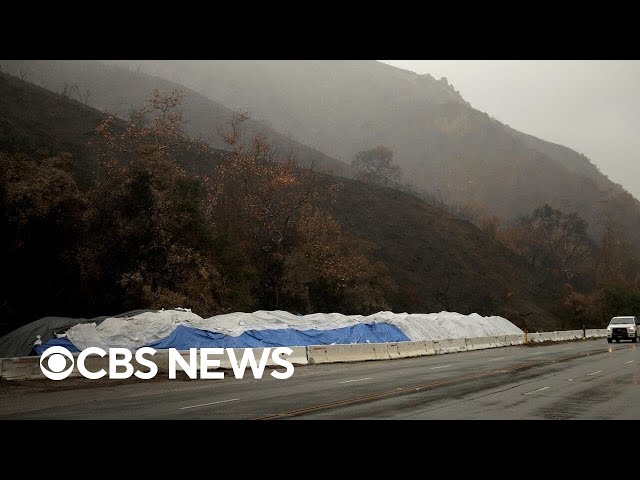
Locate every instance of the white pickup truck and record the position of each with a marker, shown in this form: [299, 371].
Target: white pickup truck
[622, 328]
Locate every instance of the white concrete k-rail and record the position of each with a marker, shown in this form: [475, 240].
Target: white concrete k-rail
[23, 368]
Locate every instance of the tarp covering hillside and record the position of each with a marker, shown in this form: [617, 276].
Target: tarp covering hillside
[20, 342]
[184, 338]
[184, 329]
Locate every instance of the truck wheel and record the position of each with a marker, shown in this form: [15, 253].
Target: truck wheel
[634, 339]
[617, 340]
[609, 340]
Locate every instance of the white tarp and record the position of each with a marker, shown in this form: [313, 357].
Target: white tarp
[132, 332]
[142, 329]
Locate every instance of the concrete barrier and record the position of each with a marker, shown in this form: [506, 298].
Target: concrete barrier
[549, 336]
[24, 368]
[29, 367]
[356, 352]
[514, 339]
[430, 348]
[161, 359]
[534, 337]
[593, 333]
[481, 343]
[450, 345]
[410, 349]
[542, 337]
[297, 357]
[568, 335]
[20, 368]
[95, 363]
[597, 333]
[501, 341]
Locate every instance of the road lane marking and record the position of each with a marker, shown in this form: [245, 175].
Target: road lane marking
[571, 379]
[534, 391]
[495, 359]
[370, 396]
[424, 387]
[538, 353]
[441, 366]
[593, 373]
[568, 348]
[212, 403]
[357, 380]
[630, 361]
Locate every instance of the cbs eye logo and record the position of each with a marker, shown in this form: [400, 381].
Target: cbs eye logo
[53, 362]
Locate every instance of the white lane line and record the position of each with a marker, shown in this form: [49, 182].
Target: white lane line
[593, 373]
[534, 391]
[630, 361]
[495, 359]
[568, 348]
[538, 353]
[357, 380]
[441, 366]
[212, 403]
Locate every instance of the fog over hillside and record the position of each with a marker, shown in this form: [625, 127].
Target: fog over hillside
[442, 143]
[591, 106]
[409, 246]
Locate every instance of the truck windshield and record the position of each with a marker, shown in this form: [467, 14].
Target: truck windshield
[621, 320]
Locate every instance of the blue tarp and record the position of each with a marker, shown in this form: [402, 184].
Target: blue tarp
[53, 342]
[183, 338]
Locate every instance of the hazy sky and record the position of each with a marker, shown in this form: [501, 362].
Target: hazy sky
[590, 106]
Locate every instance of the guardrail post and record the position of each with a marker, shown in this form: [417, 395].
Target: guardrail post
[584, 331]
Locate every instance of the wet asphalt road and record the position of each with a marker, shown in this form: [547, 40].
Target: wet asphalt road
[575, 380]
